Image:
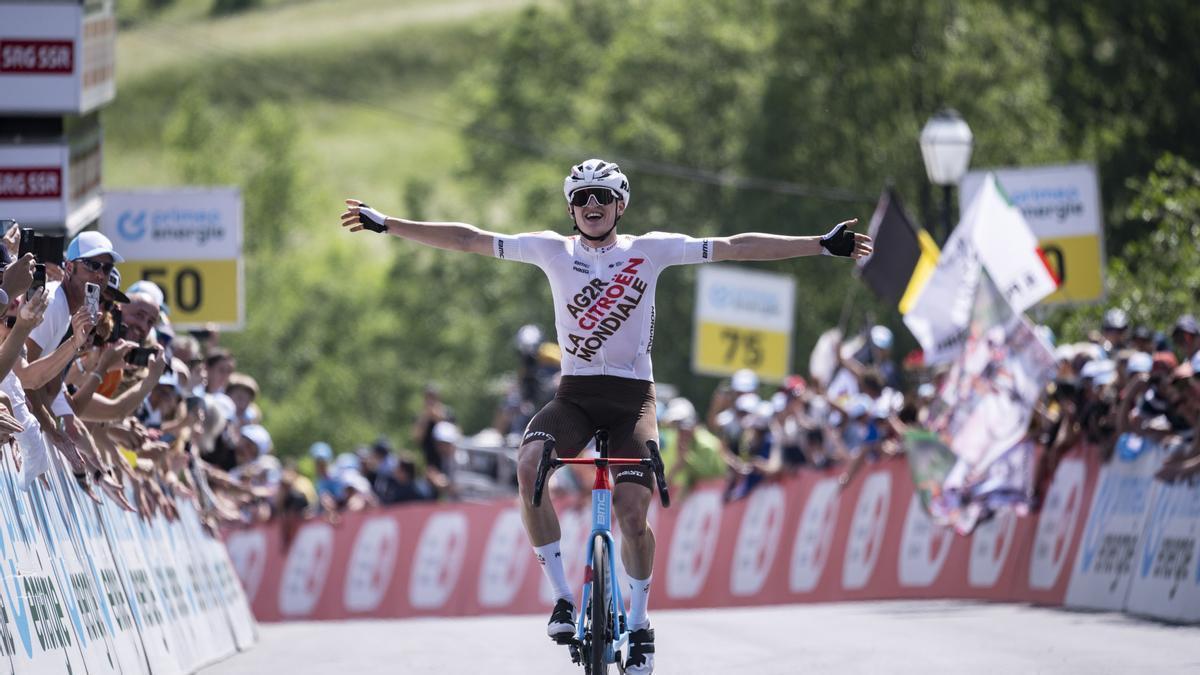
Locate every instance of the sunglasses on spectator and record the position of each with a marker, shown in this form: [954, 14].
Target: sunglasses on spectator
[603, 196]
[95, 265]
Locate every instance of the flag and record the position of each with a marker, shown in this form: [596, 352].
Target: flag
[901, 248]
[984, 406]
[993, 235]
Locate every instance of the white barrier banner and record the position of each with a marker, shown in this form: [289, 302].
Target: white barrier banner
[1104, 565]
[1166, 583]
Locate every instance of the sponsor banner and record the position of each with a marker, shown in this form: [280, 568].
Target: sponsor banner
[1061, 204]
[189, 242]
[1107, 557]
[56, 58]
[744, 319]
[1166, 579]
[800, 540]
[1058, 529]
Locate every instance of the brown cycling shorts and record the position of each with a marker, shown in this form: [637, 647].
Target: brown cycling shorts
[585, 403]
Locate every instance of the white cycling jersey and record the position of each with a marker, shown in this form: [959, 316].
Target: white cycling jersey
[604, 297]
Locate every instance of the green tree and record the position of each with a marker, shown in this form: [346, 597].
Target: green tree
[1157, 277]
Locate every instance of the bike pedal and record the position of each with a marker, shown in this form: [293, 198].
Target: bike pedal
[565, 639]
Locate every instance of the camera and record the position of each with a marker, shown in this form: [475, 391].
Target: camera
[139, 356]
[27, 237]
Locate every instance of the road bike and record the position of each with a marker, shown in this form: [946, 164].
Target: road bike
[602, 628]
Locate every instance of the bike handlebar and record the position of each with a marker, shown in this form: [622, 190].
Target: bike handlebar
[546, 462]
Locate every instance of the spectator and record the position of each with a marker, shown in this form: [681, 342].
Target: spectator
[690, 452]
[403, 484]
[243, 390]
[330, 489]
[1114, 330]
[1186, 337]
[219, 367]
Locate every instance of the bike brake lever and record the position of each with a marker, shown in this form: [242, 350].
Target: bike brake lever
[543, 468]
[664, 494]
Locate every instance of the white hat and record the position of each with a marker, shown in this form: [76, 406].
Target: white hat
[1139, 362]
[149, 288]
[744, 381]
[859, 406]
[90, 245]
[680, 410]
[446, 432]
[747, 403]
[1101, 372]
[881, 337]
[1064, 353]
[258, 435]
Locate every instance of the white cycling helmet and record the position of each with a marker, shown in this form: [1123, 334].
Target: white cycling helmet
[597, 173]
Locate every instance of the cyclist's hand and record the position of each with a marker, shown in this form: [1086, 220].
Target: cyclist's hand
[359, 216]
[843, 242]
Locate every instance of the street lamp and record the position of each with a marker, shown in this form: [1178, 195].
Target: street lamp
[946, 148]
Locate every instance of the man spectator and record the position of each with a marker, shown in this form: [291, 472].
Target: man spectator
[402, 483]
[1186, 337]
[243, 390]
[1114, 328]
[690, 452]
[330, 489]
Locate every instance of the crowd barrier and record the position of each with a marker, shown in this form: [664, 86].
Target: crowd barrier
[92, 588]
[801, 540]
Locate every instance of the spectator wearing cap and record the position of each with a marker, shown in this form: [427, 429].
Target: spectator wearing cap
[750, 460]
[243, 390]
[330, 489]
[1142, 339]
[142, 312]
[691, 453]
[1186, 337]
[1114, 328]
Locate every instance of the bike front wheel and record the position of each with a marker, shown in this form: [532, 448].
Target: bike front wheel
[600, 611]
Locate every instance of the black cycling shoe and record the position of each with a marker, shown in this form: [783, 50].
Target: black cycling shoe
[641, 652]
[562, 620]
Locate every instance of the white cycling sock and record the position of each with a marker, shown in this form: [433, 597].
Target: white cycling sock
[639, 596]
[550, 558]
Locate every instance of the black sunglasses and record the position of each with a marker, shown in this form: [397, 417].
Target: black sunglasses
[95, 265]
[603, 196]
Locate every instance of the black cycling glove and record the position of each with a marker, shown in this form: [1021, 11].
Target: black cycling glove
[839, 242]
[371, 219]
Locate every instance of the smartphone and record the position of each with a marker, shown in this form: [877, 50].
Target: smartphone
[91, 299]
[48, 248]
[118, 325]
[39, 280]
[27, 242]
[139, 356]
[194, 403]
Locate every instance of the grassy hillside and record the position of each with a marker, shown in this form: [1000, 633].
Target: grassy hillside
[368, 94]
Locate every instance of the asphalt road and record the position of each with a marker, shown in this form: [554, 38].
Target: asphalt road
[871, 637]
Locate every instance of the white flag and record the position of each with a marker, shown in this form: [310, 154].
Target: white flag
[994, 234]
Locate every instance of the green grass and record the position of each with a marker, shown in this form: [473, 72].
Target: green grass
[370, 82]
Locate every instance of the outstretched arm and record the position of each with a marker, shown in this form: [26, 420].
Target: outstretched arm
[840, 241]
[450, 236]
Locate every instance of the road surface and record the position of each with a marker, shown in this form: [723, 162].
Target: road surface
[868, 637]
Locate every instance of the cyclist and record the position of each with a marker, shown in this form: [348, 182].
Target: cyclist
[603, 285]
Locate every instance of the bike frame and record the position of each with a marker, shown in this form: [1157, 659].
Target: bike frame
[602, 526]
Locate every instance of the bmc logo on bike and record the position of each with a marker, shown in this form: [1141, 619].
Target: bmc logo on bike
[814, 539]
[757, 541]
[989, 549]
[305, 571]
[867, 528]
[372, 561]
[248, 551]
[438, 560]
[1056, 525]
[923, 547]
[693, 544]
[505, 558]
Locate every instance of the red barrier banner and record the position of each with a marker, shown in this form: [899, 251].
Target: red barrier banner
[804, 539]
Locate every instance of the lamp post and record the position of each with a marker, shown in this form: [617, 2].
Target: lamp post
[946, 143]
